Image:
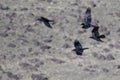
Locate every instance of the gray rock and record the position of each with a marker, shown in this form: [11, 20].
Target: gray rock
[106, 50]
[116, 66]
[66, 45]
[27, 66]
[57, 60]
[4, 7]
[110, 57]
[38, 64]
[12, 45]
[37, 43]
[12, 76]
[118, 30]
[38, 77]
[3, 34]
[44, 47]
[105, 70]
[99, 56]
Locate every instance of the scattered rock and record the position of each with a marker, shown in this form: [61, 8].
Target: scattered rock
[38, 77]
[48, 39]
[38, 64]
[102, 57]
[117, 45]
[23, 41]
[29, 29]
[27, 66]
[107, 33]
[74, 4]
[49, 1]
[24, 65]
[110, 57]
[30, 49]
[103, 29]
[81, 32]
[4, 7]
[73, 15]
[66, 45]
[67, 38]
[86, 69]
[11, 15]
[105, 70]
[93, 4]
[4, 34]
[57, 60]
[79, 19]
[1, 69]
[12, 45]
[1, 78]
[106, 50]
[99, 56]
[80, 65]
[44, 47]
[22, 55]
[108, 39]
[111, 14]
[118, 30]
[12, 76]
[2, 57]
[24, 9]
[34, 60]
[8, 28]
[118, 34]
[111, 45]
[37, 43]
[21, 36]
[116, 66]
[118, 14]
[89, 70]
[95, 22]
[37, 53]
[55, 2]
[93, 66]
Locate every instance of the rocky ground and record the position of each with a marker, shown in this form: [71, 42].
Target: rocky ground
[31, 51]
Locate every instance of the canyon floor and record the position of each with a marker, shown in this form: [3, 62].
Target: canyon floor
[31, 51]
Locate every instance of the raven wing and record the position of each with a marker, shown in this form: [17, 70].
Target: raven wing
[47, 24]
[77, 44]
[87, 17]
[44, 19]
[79, 52]
[95, 32]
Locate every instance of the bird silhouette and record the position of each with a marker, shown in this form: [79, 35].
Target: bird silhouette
[96, 35]
[78, 48]
[45, 21]
[87, 19]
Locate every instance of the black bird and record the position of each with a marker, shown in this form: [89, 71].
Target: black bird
[45, 21]
[87, 19]
[78, 48]
[96, 35]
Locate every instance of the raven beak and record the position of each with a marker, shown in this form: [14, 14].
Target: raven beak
[74, 50]
[85, 48]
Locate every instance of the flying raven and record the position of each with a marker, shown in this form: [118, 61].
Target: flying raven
[45, 21]
[96, 35]
[78, 48]
[87, 19]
